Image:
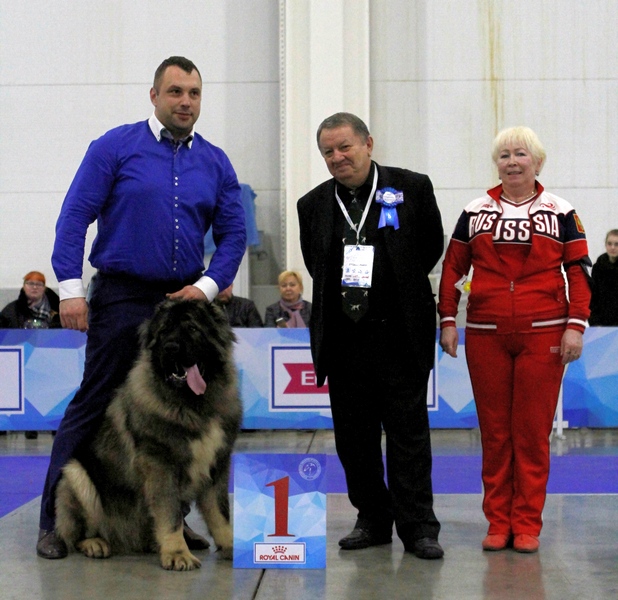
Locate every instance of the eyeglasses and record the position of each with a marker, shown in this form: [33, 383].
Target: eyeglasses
[36, 284]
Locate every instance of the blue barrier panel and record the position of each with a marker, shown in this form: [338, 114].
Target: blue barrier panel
[50, 363]
[40, 370]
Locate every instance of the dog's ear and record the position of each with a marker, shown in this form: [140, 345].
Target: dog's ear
[217, 314]
[146, 330]
[145, 336]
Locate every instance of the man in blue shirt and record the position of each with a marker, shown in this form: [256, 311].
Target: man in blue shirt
[154, 188]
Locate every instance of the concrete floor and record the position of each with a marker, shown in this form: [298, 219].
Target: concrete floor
[578, 558]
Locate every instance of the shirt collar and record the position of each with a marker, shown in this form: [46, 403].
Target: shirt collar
[159, 131]
[361, 190]
[496, 192]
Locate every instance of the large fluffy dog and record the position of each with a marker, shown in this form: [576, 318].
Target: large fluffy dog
[166, 441]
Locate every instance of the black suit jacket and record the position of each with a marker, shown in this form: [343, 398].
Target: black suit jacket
[413, 250]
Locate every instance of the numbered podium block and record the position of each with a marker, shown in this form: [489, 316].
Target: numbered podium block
[280, 511]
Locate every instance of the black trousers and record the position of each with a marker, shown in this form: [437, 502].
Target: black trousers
[375, 385]
[117, 307]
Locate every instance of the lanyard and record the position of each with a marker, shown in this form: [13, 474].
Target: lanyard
[345, 212]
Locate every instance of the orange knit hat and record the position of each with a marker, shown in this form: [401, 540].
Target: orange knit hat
[35, 276]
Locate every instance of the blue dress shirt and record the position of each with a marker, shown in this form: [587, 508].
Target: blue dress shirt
[153, 202]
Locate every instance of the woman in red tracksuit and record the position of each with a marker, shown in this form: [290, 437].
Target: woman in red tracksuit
[521, 329]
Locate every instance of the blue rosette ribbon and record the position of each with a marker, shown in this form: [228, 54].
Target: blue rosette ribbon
[389, 198]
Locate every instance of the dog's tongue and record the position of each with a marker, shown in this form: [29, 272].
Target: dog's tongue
[195, 380]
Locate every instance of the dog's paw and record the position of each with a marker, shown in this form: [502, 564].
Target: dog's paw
[179, 561]
[95, 548]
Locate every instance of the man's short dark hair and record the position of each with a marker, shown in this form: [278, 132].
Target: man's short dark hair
[342, 119]
[174, 61]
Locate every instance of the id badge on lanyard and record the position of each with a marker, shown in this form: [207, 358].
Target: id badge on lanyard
[358, 259]
[357, 266]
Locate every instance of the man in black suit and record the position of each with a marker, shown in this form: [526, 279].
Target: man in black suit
[370, 237]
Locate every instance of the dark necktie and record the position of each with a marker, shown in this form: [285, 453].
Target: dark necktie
[354, 300]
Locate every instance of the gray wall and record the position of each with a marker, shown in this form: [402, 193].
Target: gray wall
[445, 77]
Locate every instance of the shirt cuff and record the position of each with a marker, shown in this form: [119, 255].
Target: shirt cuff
[208, 286]
[448, 322]
[71, 288]
[577, 324]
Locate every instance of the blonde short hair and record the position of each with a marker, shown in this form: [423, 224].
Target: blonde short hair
[519, 135]
[295, 274]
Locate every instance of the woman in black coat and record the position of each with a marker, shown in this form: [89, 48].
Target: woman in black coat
[37, 307]
[604, 302]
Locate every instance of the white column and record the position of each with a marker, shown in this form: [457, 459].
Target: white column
[324, 59]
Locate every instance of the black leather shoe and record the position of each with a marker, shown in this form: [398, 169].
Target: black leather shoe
[31, 435]
[428, 548]
[194, 540]
[363, 538]
[50, 545]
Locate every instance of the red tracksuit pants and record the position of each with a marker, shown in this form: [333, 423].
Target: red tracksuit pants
[516, 380]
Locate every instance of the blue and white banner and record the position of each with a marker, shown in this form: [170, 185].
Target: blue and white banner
[47, 375]
[40, 370]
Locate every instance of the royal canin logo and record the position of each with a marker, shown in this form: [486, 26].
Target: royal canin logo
[279, 549]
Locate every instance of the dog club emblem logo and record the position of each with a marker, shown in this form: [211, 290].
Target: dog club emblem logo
[309, 469]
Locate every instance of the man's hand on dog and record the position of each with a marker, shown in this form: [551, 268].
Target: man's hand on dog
[189, 292]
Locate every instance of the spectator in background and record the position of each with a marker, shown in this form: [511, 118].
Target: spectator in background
[291, 311]
[240, 312]
[604, 303]
[35, 308]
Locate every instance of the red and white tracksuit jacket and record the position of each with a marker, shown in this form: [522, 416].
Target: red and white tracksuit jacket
[537, 294]
[516, 315]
